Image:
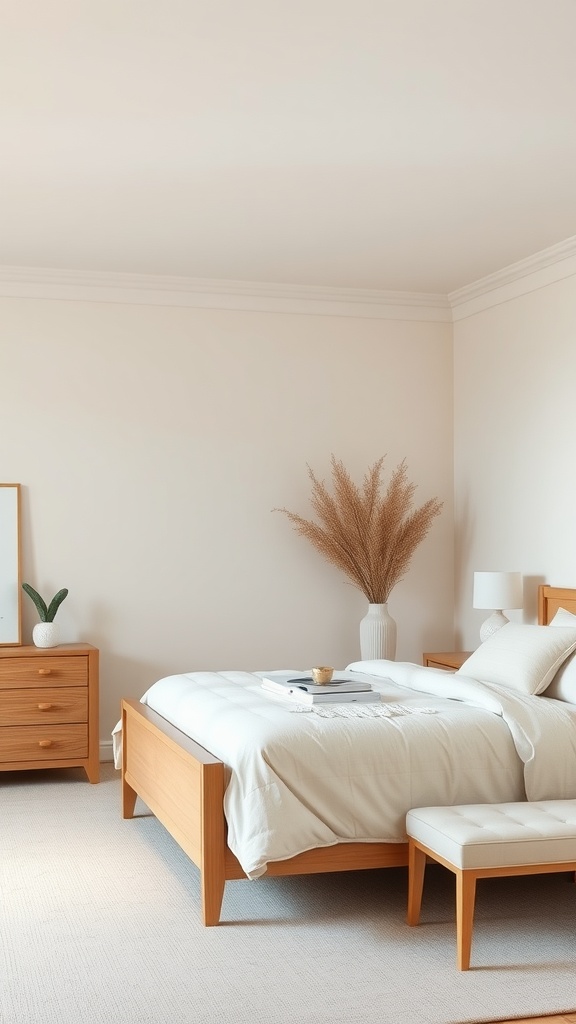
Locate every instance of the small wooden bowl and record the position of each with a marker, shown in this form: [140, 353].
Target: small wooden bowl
[322, 674]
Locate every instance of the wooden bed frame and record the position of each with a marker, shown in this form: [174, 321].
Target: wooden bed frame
[183, 785]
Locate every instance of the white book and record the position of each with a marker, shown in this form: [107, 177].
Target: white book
[340, 683]
[298, 696]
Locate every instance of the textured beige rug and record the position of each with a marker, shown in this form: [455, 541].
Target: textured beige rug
[99, 923]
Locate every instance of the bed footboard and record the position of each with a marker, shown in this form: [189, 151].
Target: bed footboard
[183, 785]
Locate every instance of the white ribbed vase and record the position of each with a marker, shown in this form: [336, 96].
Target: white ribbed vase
[377, 634]
[46, 634]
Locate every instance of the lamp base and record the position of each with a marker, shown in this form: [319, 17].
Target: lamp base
[492, 624]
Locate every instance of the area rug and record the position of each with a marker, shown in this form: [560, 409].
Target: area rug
[100, 922]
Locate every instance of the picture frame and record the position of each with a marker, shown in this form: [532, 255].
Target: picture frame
[10, 567]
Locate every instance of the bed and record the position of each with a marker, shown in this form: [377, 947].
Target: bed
[191, 786]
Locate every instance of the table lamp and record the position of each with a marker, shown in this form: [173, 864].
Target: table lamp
[497, 590]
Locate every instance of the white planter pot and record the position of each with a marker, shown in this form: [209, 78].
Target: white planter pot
[46, 634]
[377, 634]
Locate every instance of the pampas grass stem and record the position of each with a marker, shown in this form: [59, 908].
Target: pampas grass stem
[371, 536]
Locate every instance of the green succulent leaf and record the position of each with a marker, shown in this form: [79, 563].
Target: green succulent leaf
[55, 604]
[41, 606]
[46, 612]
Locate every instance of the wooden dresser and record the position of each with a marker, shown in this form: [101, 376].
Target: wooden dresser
[49, 708]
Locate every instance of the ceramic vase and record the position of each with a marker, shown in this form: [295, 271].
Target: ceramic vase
[46, 634]
[377, 634]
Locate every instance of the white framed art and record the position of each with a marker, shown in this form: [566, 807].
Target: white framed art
[10, 569]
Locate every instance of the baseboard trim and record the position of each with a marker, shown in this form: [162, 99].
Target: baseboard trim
[106, 751]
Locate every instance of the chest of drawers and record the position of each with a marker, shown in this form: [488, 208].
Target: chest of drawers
[49, 708]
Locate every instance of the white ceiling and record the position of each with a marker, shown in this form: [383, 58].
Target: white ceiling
[413, 145]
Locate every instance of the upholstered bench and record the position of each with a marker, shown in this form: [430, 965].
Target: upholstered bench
[487, 841]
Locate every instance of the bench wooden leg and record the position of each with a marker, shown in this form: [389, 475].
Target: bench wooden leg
[416, 866]
[465, 899]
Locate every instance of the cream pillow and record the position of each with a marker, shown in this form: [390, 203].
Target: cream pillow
[564, 618]
[563, 685]
[525, 658]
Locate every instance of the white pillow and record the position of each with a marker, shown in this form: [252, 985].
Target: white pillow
[563, 618]
[563, 685]
[525, 658]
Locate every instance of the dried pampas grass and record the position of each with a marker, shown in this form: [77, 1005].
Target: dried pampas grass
[370, 536]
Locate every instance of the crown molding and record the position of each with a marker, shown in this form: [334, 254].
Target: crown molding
[543, 268]
[144, 289]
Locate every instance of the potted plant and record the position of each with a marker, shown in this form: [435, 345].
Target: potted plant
[371, 537]
[45, 632]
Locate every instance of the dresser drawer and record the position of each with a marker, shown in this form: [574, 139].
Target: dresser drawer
[30, 706]
[34, 671]
[48, 743]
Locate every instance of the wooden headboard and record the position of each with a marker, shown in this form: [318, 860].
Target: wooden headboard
[550, 599]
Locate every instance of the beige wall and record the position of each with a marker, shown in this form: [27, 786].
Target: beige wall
[515, 475]
[152, 444]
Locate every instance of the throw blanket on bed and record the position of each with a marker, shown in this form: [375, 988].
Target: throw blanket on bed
[352, 710]
[300, 781]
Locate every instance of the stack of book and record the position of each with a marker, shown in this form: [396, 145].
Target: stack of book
[303, 689]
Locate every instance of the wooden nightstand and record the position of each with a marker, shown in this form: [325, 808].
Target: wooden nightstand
[49, 708]
[449, 660]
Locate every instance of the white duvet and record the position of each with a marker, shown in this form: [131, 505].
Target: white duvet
[299, 780]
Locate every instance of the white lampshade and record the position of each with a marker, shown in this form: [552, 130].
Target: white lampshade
[497, 590]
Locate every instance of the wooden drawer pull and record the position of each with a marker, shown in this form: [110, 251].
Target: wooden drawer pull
[44, 671]
[45, 743]
[45, 707]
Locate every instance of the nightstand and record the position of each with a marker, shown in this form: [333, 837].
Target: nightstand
[449, 660]
[49, 708]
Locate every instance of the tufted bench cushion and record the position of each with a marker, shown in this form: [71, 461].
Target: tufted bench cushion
[498, 835]
[487, 840]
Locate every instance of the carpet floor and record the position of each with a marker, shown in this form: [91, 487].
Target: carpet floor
[100, 922]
